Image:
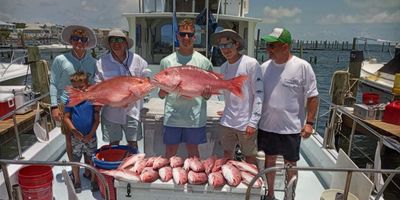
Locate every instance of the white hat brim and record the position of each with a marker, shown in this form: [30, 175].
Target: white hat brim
[67, 31]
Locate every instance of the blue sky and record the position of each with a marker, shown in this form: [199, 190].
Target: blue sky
[306, 19]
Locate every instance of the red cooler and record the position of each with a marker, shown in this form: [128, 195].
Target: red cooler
[370, 98]
[6, 103]
[392, 113]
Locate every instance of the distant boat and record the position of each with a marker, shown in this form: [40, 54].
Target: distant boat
[15, 71]
[378, 77]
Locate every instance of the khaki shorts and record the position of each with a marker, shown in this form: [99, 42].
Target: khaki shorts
[230, 137]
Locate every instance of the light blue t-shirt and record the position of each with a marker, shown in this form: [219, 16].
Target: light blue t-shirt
[63, 67]
[181, 111]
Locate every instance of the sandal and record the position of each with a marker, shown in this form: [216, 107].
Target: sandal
[78, 187]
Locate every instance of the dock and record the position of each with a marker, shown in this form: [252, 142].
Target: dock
[384, 127]
[24, 123]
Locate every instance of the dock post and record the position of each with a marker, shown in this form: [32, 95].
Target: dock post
[356, 59]
[39, 72]
[301, 50]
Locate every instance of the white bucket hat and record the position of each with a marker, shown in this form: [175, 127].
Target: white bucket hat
[229, 33]
[67, 32]
[117, 33]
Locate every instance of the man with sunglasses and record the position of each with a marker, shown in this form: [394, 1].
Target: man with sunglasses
[119, 61]
[241, 115]
[185, 119]
[81, 38]
[289, 86]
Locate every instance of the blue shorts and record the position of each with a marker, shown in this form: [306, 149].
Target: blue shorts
[177, 135]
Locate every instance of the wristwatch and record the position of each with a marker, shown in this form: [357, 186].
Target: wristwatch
[310, 123]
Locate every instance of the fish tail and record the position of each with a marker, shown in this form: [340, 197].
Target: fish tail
[75, 96]
[236, 85]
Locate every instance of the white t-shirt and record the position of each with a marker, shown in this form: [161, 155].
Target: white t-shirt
[108, 67]
[242, 112]
[286, 88]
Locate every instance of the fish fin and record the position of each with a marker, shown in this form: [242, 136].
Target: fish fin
[97, 103]
[236, 85]
[75, 96]
[220, 76]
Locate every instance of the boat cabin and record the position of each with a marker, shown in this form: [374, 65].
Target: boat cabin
[152, 27]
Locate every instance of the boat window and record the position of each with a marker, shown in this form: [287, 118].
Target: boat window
[138, 35]
[166, 34]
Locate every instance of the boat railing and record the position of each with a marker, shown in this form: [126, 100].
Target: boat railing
[332, 128]
[4, 164]
[290, 186]
[13, 113]
[336, 112]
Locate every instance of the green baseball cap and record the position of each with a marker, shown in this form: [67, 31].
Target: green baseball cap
[278, 35]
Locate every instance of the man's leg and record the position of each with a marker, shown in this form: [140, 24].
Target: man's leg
[228, 141]
[248, 146]
[291, 173]
[171, 150]
[193, 150]
[270, 161]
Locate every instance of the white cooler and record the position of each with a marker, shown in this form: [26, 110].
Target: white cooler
[22, 95]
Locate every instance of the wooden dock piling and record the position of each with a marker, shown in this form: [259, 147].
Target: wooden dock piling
[39, 72]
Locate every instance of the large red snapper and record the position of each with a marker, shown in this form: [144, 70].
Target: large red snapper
[116, 92]
[190, 81]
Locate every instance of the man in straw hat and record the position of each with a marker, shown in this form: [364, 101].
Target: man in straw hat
[119, 61]
[241, 115]
[185, 119]
[288, 82]
[78, 59]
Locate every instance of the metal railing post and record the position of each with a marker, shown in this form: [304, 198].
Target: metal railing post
[353, 130]
[6, 179]
[17, 137]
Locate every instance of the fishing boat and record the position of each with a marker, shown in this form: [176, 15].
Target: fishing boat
[13, 70]
[378, 76]
[151, 29]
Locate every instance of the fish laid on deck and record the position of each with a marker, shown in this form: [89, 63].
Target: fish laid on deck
[191, 81]
[116, 92]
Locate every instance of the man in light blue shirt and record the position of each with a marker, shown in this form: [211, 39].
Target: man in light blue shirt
[78, 59]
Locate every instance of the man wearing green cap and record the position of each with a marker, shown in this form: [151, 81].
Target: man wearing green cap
[288, 82]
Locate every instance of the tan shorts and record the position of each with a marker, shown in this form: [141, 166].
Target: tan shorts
[230, 137]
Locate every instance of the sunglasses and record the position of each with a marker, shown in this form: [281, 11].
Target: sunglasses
[117, 39]
[189, 34]
[76, 38]
[226, 46]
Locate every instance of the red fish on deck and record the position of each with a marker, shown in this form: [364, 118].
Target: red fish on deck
[190, 81]
[116, 92]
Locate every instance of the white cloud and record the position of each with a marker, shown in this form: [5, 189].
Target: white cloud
[368, 4]
[367, 18]
[275, 15]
